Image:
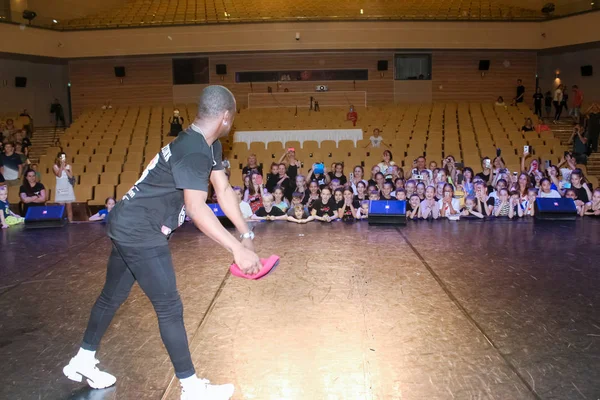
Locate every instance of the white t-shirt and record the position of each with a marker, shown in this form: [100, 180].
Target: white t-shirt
[375, 141]
[552, 195]
[245, 209]
[558, 95]
[455, 205]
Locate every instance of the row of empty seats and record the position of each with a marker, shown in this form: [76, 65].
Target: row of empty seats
[173, 12]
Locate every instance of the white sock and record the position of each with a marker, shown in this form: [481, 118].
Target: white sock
[87, 355]
[187, 382]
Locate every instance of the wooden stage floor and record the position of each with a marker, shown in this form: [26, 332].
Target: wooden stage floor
[446, 310]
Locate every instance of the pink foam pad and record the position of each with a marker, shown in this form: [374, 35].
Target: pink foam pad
[268, 264]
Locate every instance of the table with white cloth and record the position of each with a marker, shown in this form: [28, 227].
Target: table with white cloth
[298, 135]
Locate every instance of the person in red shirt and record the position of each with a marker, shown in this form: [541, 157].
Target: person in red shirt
[577, 102]
[352, 116]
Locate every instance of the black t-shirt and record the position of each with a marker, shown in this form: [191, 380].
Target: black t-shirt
[272, 180]
[382, 197]
[548, 101]
[292, 172]
[320, 178]
[328, 208]
[154, 206]
[347, 211]
[31, 192]
[581, 194]
[526, 128]
[342, 178]
[520, 91]
[483, 176]
[538, 97]
[247, 169]
[274, 212]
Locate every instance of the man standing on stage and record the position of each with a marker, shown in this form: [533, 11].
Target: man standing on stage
[174, 184]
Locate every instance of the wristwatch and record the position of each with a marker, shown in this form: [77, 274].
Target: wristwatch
[247, 235]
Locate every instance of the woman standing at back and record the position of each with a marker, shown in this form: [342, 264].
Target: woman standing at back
[64, 188]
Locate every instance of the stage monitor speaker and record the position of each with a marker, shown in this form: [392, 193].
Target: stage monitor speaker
[387, 212]
[561, 209]
[20, 81]
[382, 65]
[484, 65]
[587, 70]
[216, 209]
[45, 217]
[221, 69]
[120, 72]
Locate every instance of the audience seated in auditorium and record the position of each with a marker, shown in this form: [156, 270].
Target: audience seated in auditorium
[500, 102]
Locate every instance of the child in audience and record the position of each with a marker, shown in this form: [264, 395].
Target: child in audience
[299, 215]
[470, 211]
[374, 195]
[413, 207]
[254, 193]
[410, 187]
[429, 206]
[515, 204]
[439, 192]
[546, 191]
[421, 190]
[280, 201]
[448, 205]
[324, 209]
[312, 195]
[483, 204]
[400, 194]
[363, 211]
[296, 200]
[376, 140]
[334, 184]
[244, 207]
[386, 191]
[268, 212]
[361, 191]
[592, 209]
[347, 209]
[7, 217]
[528, 206]
[338, 197]
[102, 215]
[503, 208]
[572, 194]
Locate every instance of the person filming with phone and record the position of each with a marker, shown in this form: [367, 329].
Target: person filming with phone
[176, 122]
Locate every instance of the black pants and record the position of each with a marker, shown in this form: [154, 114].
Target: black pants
[538, 109]
[152, 268]
[558, 110]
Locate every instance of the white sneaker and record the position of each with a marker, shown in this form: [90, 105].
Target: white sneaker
[203, 390]
[79, 368]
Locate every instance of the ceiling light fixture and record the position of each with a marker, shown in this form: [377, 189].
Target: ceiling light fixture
[55, 21]
[361, 11]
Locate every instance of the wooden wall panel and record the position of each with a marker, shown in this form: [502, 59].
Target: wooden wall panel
[147, 81]
[456, 76]
[380, 89]
[302, 99]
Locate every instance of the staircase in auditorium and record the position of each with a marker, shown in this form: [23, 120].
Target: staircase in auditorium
[43, 138]
[563, 130]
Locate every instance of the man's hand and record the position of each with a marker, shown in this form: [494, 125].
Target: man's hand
[247, 260]
[248, 244]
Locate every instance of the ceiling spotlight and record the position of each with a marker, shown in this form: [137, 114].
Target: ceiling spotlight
[55, 21]
[361, 11]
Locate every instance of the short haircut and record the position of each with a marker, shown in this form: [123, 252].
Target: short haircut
[299, 207]
[401, 191]
[335, 180]
[471, 198]
[388, 183]
[532, 190]
[267, 196]
[364, 203]
[297, 195]
[374, 192]
[514, 193]
[214, 101]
